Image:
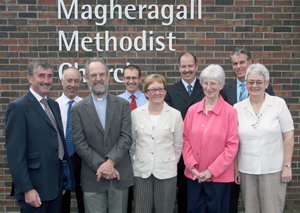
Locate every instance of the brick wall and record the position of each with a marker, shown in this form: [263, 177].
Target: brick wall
[269, 28]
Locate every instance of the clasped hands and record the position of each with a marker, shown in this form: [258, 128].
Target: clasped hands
[201, 176]
[106, 170]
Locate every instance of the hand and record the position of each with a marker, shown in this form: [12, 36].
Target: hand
[204, 176]
[106, 170]
[32, 198]
[115, 174]
[286, 175]
[196, 173]
[237, 177]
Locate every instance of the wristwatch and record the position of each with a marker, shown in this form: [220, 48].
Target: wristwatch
[288, 165]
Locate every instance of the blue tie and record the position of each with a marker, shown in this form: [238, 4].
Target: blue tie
[189, 87]
[242, 95]
[69, 140]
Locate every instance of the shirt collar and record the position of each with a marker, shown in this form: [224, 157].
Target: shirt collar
[238, 82]
[216, 110]
[96, 99]
[65, 99]
[186, 84]
[36, 95]
[136, 94]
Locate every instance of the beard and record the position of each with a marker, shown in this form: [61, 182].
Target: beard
[99, 91]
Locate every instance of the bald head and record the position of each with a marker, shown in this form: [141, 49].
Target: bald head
[71, 82]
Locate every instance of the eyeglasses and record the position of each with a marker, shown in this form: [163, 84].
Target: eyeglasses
[153, 90]
[257, 121]
[258, 83]
[128, 78]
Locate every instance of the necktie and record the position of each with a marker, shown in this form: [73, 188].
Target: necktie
[189, 87]
[61, 151]
[69, 139]
[133, 103]
[242, 95]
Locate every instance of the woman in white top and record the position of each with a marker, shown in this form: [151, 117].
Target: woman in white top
[157, 131]
[266, 133]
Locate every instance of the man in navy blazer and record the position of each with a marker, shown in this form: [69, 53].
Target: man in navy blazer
[181, 96]
[35, 153]
[241, 59]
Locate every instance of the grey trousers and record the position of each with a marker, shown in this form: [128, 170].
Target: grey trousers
[112, 201]
[263, 193]
[152, 192]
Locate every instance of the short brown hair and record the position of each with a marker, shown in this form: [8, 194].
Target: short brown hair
[154, 77]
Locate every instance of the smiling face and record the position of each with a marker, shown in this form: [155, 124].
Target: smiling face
[132, 80]
[188, 68]
[71, 82]
[41, 81]
[211, 88]
[97, 79]
[240, 65]
[256, 85]
[156, 92]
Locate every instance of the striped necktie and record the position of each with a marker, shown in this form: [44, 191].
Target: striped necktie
[61, 151]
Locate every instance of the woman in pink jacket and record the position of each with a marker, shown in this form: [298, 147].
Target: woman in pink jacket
[210, 146]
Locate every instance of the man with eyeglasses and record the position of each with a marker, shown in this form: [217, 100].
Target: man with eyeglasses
[132, 80]
[233, 92]
[101, 125]
[181, 96]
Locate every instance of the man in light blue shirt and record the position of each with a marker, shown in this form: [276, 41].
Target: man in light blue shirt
[132, 80]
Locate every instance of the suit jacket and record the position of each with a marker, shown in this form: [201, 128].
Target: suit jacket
[32, 147]
[229, 92]
[95, 145]
[156, 150]
[178, 97]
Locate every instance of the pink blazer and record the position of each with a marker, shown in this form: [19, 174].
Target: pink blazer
[211, 141]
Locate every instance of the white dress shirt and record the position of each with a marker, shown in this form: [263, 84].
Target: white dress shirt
[185, 84]
[261, 141]
[63, 105]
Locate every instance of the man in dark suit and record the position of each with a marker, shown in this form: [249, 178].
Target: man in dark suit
[181, 96]
[241, 59]
[235, 91]
[101, 126]
[35, 144]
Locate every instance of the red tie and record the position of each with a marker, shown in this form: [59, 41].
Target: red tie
[133, 103]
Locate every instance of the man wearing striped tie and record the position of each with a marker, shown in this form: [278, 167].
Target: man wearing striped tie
[70, 81]
[35, 144]
[233, 92]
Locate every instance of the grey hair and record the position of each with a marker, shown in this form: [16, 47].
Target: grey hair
[214, 71]
[259, 69]
[69, 68]
[243, 51]
[95, 60]
[35, 65]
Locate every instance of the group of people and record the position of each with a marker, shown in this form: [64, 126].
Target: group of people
[190, 144]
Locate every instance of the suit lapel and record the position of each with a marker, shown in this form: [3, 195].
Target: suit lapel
[109, 113]
[232, 96]
[57, 117]
[181, 91]
[196, 92]
[92, 112]
[36, 106]
[163, 117]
